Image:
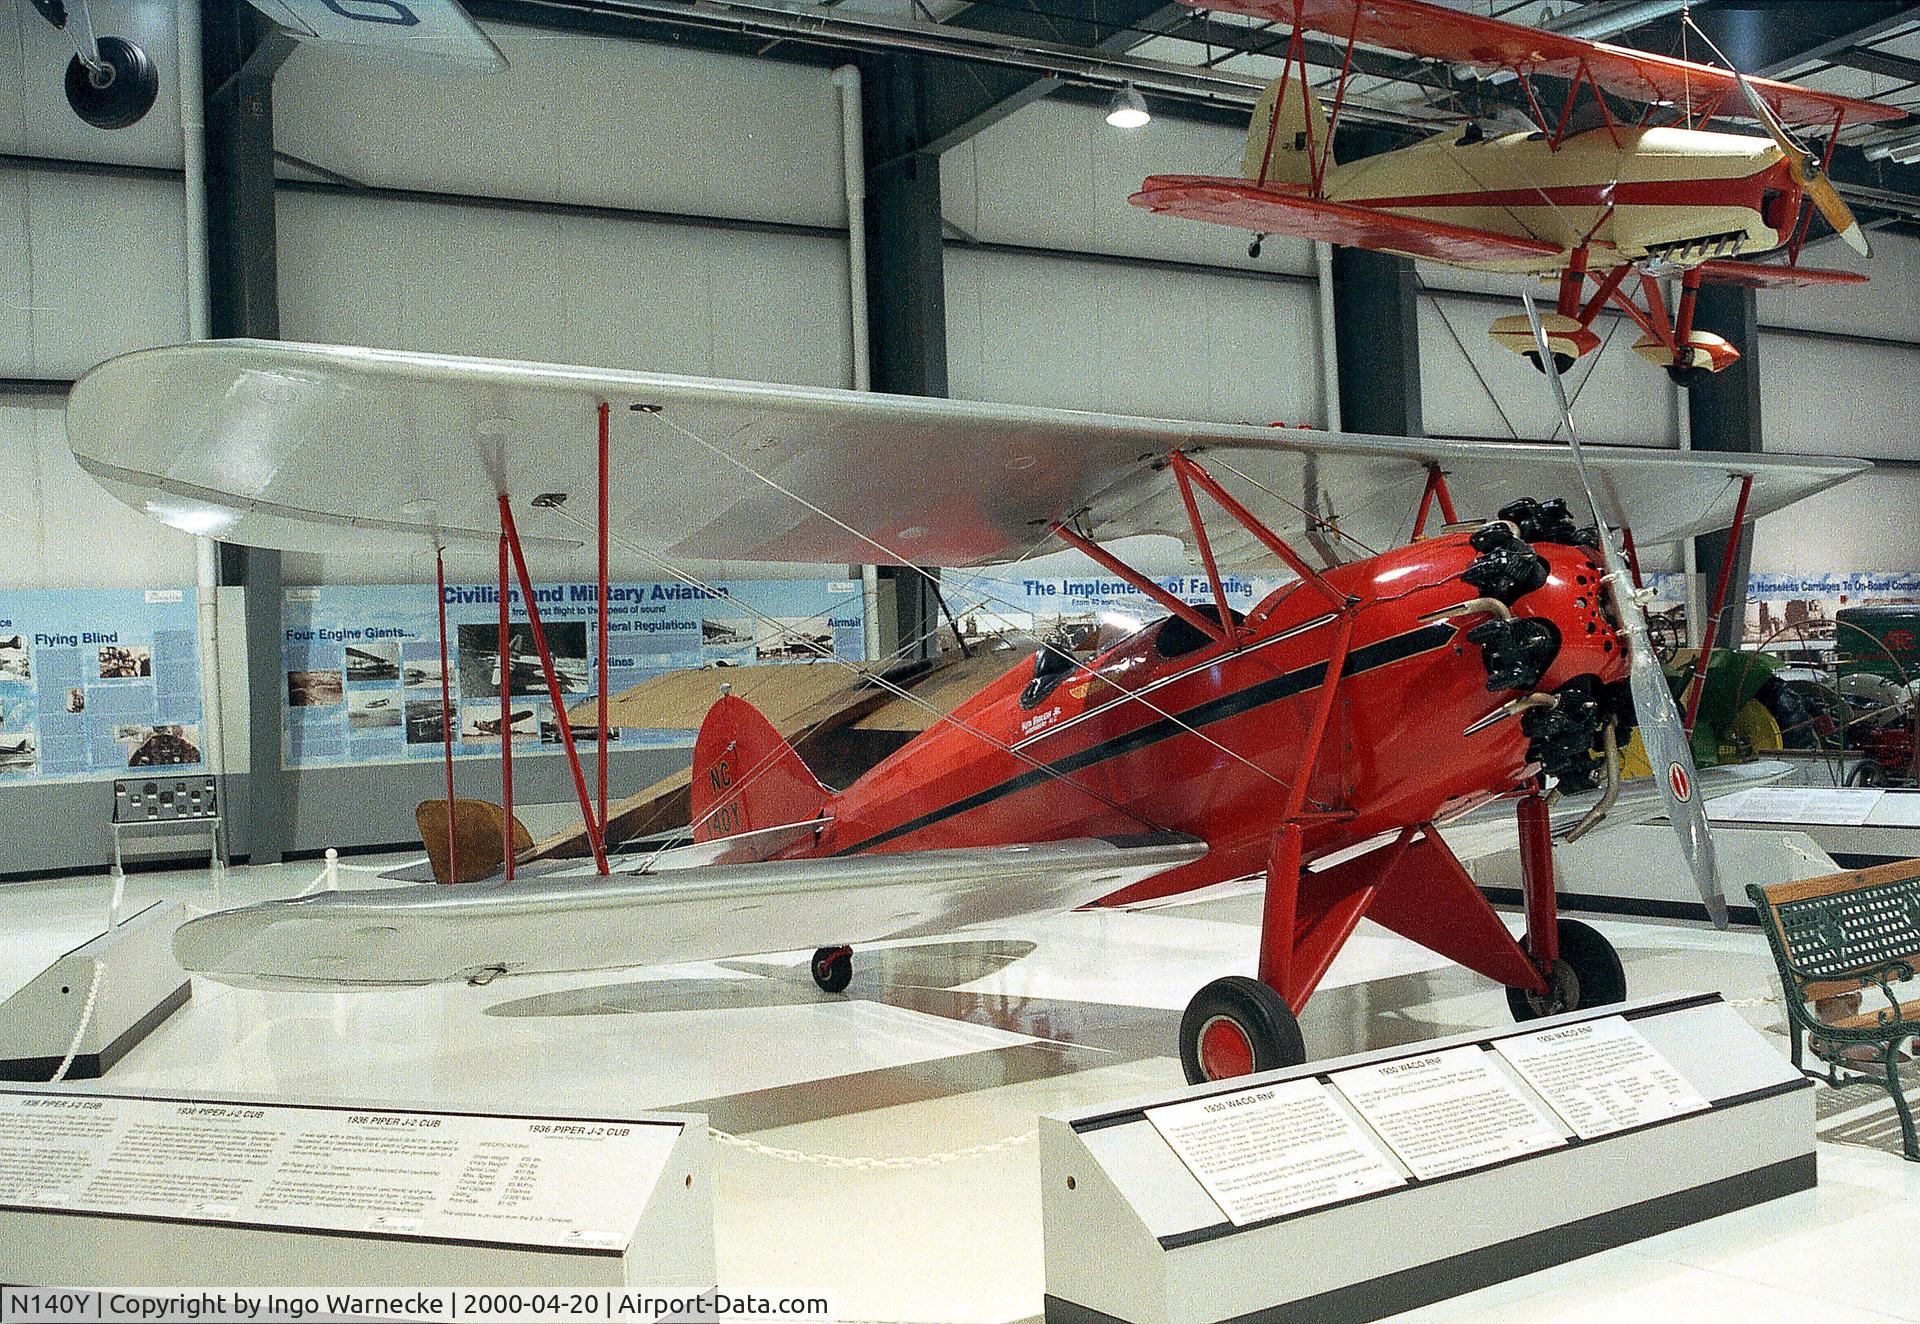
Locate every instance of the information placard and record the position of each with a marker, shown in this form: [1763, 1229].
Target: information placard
[1275, 1149]
[1601, 1076]
[1448, 1111]
[518, 1181]
[1836, 807]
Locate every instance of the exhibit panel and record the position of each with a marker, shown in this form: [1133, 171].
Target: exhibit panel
[171, 1191]
[1370, 1185]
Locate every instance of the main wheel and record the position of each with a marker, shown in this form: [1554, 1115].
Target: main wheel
[1561, 362]
[118, 95]
[1588, 974]
[1236, 1026]
[1866, 773]
[1686, 375]
[833, 969]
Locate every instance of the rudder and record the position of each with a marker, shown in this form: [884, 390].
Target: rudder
[746, 776]
[1284, 137]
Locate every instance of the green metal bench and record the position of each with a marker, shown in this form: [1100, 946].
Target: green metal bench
[1853, 932]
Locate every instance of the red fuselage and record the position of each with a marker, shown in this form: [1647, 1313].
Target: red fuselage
[1206, 742]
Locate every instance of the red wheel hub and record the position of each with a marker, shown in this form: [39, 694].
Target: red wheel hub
[1224, 1049]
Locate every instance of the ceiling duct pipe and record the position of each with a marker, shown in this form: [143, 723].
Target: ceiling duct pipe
[1610, 18]
[853, 165]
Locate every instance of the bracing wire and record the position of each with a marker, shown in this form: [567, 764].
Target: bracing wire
[891, 555]
[884, 682]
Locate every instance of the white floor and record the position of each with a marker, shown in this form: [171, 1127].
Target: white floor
[956, 1043]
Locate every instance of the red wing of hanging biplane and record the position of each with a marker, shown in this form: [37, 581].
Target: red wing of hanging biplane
[1270, 210]
[1767, 276]
[1436, 33]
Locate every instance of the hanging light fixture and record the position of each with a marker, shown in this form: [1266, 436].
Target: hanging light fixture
[1127, 110]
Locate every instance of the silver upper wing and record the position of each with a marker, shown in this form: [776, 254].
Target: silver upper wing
[319, 447]
[401, 936]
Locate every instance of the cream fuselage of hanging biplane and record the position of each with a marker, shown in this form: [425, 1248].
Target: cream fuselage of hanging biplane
[1605, 200]
[1623, 205]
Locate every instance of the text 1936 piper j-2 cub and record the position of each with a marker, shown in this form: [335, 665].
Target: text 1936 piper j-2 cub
[1581, 196]
[1320, 738]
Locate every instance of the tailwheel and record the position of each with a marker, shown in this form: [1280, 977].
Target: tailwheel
[1236, 1026]
[833, 969]
[1588, 974]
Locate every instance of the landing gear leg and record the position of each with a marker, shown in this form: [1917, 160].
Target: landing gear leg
[1580, 966]
[1236, 1026]
[833, 969]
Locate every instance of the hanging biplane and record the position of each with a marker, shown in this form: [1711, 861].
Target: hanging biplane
[1410, 673]
[1587, 195]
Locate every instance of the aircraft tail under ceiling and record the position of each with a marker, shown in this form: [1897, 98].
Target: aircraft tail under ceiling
[1287, 132]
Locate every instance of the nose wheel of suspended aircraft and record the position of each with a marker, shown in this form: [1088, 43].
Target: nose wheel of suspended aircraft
[833, 969]
[1588, 974]
[1236, 1026]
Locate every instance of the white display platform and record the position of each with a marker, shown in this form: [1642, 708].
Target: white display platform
[140, 986]
[1637, 869]
[177, 1191]
[1270, 1198]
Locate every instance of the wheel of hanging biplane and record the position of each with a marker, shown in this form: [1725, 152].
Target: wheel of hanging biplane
[1236, 1026]
[1588, 974]
[1562, 362]
[117, 89]
[833, 969]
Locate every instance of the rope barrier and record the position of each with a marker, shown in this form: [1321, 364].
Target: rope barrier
[86, 1019]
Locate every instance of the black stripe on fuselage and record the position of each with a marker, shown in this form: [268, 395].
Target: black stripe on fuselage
[1286, 686]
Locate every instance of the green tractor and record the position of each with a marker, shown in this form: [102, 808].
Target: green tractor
[1753, 705]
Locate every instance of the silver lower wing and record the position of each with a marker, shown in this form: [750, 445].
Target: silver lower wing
[407, 936]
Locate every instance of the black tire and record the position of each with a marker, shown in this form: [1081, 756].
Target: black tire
[1588, 974]
[131, 87]
[1235, 1026]
[1687, 376]
[1562, 362]
[1866, 773]
[833, 969]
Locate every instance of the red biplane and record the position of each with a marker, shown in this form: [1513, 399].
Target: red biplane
[1436, 665]
[1585, 195]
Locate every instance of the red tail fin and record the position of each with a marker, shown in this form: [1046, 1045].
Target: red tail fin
[746, 776]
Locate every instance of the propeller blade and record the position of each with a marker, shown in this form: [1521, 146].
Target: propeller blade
[1806, 170]
[1827, 198]
[1662, 732]
[1789, 145]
